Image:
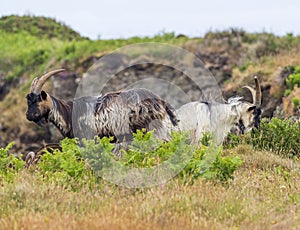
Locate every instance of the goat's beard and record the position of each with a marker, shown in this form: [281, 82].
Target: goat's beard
[41, 122]
[242, 127]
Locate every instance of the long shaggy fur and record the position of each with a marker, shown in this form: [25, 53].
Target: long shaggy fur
[116, 114]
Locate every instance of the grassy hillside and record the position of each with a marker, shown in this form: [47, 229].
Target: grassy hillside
[251, 183]
[40, 27]
[33, 45]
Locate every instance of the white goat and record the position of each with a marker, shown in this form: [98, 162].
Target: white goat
[218, 119]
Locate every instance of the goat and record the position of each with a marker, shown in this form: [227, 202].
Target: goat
[218, 118]
[116, 114]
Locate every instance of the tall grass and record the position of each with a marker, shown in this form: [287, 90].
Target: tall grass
[63, 192]
[264, 194]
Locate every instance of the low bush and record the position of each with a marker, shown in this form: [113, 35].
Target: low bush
[9, 164]
[294, 78]
[80, 164]
[208, 162]
[276, 135]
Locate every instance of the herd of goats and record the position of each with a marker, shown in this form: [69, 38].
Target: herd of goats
[120, 114]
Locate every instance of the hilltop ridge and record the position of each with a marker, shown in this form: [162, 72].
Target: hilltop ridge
[42, 27]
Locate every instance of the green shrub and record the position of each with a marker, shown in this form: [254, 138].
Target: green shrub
[232, 140]
[82, 163]
[145, 151]
[98, 153]
[65, 167]
[9, 164]
[294, 78]
[287, 92]
[296, 102]
[279, 136]
[209, 163]
[205, 161]
[223, 168]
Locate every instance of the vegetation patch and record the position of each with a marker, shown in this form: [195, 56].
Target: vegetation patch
[281, 136]
[293, 79]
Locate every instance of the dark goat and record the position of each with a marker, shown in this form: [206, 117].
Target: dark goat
[116, 114]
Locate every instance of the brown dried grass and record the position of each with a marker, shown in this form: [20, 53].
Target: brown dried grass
[263, 195]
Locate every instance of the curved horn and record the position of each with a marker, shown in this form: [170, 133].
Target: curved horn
[258, 95]
[29, 158]
[253, 92]
[38, 82]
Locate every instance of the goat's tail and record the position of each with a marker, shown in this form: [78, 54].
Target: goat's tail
[171, 113]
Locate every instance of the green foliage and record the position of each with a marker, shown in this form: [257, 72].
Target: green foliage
[296, 102]
[223, 168]
[206, 139]
[268, 44]
[209, 163]
[9, 164]
[79, 164]
[65, 167]
[75, 165]
[28, 44]
[22, 52]
[98, 153]
[145, 151]
[231, 33]
[232, 141]
[205, 161]
[287, 92]
[244, 66]
[279, 136]
[294, 78]
[41, 27]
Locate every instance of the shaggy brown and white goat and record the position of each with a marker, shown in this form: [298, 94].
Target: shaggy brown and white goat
[218, 118]
[116, 114]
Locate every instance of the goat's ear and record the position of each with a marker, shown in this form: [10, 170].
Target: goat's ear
[251, 108]
[44, 95]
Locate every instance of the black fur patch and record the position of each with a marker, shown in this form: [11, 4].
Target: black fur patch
[257, 117]
[33, 98]
[33, 113]
[241, 126]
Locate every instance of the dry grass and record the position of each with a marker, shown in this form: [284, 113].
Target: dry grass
[263, 195]
[268, 68]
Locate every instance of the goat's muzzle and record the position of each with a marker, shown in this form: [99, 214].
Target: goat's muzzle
[257, 117]
[36, 118]
[241, 126]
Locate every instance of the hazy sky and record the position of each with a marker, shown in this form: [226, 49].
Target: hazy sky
[122, 19]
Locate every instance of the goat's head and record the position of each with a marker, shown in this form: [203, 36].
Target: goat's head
[250, 113]
[38, 101]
